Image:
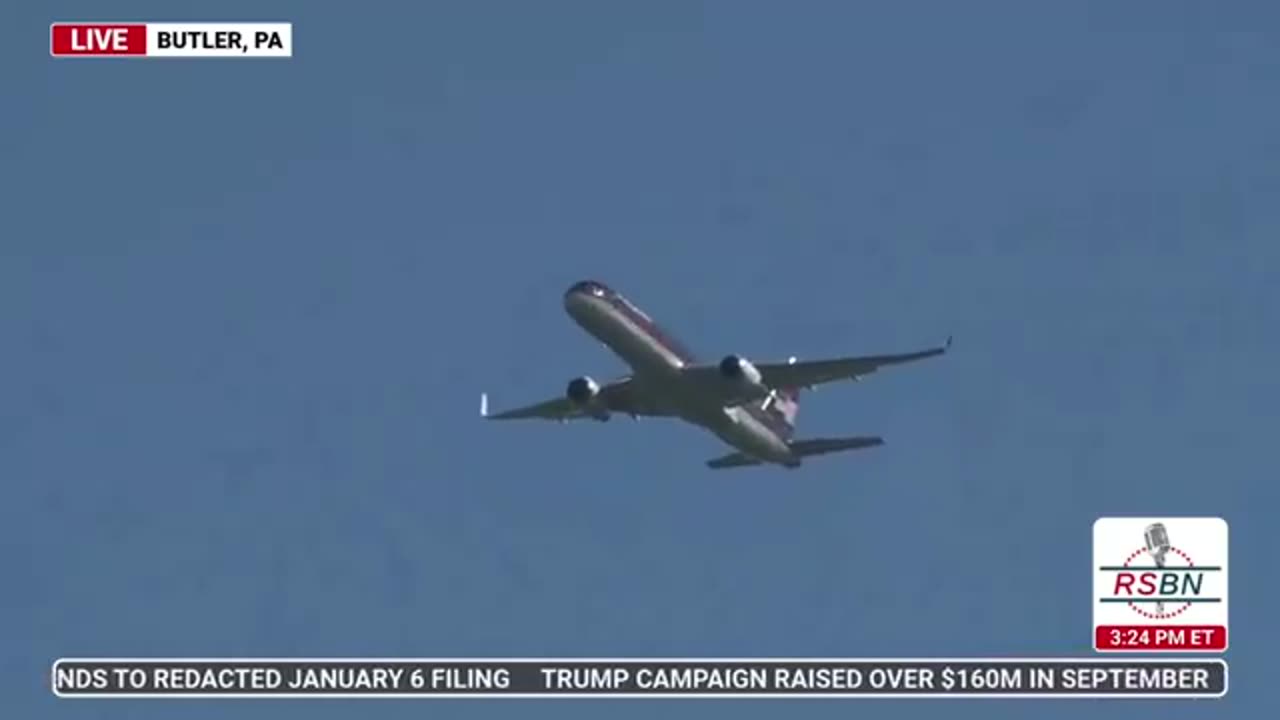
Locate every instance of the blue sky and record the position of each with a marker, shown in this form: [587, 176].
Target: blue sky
[249, 307]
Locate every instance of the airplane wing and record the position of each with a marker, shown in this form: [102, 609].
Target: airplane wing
[816, 372]
[617, 396]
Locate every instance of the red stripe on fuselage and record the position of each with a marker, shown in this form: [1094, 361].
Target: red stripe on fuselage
[650, 328]
[774, 421]
[600, 291]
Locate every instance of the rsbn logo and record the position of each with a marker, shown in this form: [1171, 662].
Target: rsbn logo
[1159, 580]
[1160, 584]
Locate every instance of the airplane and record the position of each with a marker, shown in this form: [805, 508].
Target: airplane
[751, 407]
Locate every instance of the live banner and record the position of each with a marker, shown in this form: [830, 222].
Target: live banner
[637, 678]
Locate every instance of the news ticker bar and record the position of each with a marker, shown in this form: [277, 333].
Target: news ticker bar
[638, 678]
[171, 40]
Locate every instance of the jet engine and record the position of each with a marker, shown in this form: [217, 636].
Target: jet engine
[585, 393]
[740, 371]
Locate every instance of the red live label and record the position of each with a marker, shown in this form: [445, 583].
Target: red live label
[97, 39]
[1160, 637]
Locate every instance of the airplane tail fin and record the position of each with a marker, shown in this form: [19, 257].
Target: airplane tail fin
[785, 402]
[802, 448]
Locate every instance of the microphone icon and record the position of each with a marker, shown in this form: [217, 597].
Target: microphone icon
[1157, 538]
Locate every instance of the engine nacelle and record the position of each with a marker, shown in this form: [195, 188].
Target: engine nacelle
[739, 370]
[585, 393]
[582, 390]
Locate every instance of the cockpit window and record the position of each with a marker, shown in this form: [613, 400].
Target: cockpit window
[590, 286]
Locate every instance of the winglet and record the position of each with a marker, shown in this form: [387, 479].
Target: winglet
[947, 346]
[484, 405]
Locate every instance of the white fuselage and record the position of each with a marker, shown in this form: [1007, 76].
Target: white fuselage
[658, 372]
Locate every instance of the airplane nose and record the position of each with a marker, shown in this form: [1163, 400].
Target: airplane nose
[577, 303]
[582, 295]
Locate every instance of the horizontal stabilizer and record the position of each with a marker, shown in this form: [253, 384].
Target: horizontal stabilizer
[732, 460]
[802, 448]
[822, 446]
